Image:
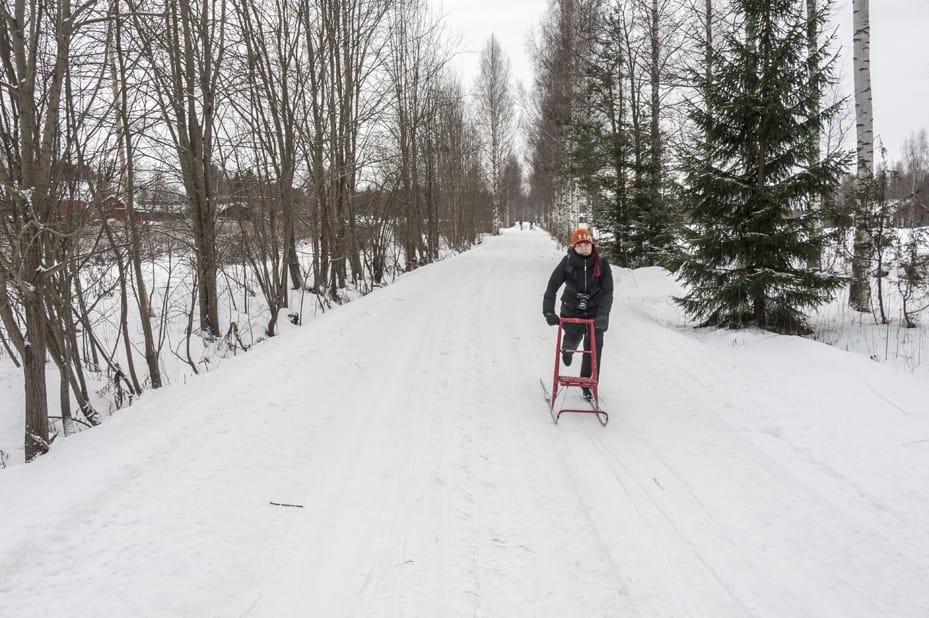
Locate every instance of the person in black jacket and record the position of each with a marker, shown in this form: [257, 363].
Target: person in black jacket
[588, 293]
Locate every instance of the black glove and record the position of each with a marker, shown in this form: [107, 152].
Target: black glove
[602, 322]
[551, 318]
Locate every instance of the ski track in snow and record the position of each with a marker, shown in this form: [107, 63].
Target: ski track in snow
[410, 428]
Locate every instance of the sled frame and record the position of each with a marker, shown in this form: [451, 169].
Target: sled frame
[561, 381]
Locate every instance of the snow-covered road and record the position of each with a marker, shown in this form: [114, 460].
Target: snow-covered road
[741, 474]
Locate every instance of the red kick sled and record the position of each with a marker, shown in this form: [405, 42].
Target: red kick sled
[562, 381]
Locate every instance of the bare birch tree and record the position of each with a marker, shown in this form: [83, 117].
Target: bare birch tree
[313, 144]
[462, 215]
[415, 59]
[495, 111]
[126, 138]
[859, 296]
[268, 106]
[353, 31]
[183, 42]
[562, 42]
[35, 45]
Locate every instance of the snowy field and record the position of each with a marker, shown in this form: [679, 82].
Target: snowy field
[417, 472]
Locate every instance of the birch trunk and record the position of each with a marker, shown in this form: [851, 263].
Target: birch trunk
[126, 183]
[859, 296]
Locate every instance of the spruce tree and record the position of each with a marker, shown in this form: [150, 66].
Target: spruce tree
[752, 242]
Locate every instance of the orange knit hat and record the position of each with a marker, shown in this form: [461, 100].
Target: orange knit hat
[581, 234]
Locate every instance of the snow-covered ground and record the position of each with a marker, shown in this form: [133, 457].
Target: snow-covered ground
[741, 473]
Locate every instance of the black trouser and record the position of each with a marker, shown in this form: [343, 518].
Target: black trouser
[572, 336]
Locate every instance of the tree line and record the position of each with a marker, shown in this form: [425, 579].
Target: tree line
[710, 138]
[320, 145]
[152, 149]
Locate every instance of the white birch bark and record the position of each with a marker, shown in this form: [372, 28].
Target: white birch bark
[860, 290]
[864, 120]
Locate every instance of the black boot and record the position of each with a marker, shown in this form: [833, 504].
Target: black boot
[566, 358]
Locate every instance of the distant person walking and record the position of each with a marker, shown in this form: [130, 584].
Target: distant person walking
[588, 294]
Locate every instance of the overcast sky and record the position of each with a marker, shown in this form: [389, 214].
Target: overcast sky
[899, 53]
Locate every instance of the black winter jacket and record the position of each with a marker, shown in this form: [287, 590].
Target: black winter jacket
[577, 274]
